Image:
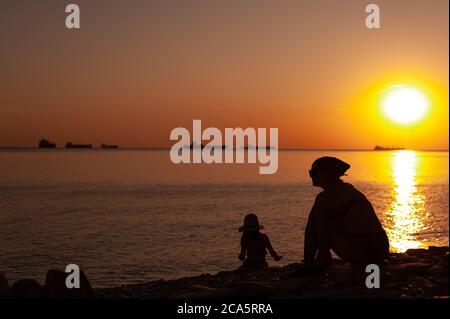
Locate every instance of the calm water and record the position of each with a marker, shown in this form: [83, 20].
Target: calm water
[133, 216]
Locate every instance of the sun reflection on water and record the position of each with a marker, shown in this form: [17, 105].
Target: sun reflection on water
[406, 214]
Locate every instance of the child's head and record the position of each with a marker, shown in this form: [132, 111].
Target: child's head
[251, 223]
[251, 230]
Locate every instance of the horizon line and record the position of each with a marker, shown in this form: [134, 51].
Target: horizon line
[168, 148]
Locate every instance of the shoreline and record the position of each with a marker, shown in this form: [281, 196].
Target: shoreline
[416, 273]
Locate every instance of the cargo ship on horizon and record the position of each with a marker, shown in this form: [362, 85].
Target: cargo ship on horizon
[44, 143]
[72, 145]
[109, 146]
[382, 148]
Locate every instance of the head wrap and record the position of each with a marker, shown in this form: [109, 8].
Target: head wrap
[331, 165]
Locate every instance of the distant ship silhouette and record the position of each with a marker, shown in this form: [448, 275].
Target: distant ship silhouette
[109, 146]
[381, 148]
[224, 147]
[71, 145]
[202, 146]
[44, 143]
[252, 147]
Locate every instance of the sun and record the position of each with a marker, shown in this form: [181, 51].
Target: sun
[404, 104]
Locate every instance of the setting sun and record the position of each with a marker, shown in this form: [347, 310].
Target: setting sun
[405, 105]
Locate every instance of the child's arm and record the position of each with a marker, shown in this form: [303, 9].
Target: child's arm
[272, 252]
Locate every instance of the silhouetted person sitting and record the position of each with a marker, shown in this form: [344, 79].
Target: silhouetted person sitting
[254, 244]
[342, 219]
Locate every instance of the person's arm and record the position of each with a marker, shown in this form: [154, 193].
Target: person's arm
[243, 250]
[316, 231]
[272, 252]
[321, 225]
[310, 245]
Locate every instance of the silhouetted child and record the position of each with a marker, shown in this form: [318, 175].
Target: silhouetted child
[255, 244]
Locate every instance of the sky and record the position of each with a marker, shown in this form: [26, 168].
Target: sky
[135, 70]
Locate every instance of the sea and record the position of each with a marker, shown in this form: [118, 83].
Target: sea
[132, 216]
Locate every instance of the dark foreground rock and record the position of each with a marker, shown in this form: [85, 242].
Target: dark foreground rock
[417, 273]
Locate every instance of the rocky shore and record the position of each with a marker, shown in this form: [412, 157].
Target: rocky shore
[417, 273]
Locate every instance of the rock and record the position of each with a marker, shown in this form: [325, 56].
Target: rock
[4, 286]
[415, 251]
[439, 270]
[410, 268]
[439, 288]
[400, 259]
[392, 285]
[275, 268]
[438, 250]
[420, 282]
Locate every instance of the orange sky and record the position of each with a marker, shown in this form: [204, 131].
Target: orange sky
[137, 69]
